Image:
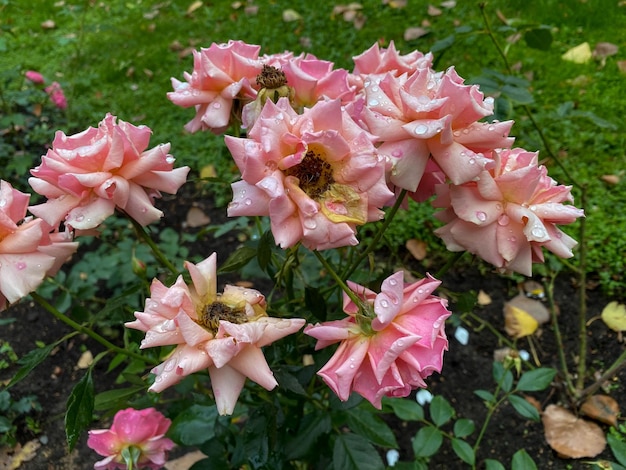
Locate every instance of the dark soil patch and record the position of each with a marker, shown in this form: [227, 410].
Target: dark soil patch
[467, 368]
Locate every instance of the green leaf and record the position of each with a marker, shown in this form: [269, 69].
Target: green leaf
[79, 409]
[522, 461]
[427, 441]
[618, 447]
[194, 426]
[536, 380]
[266, 244]
[523, 407]
[538, 38]
[353, 452]
[442, 44]
[440, 410]
[517, 94]
[112, 398]
[491, 464]
[485, 395]
[311, 427]
[464, 427]
[367, 424]
[238, 259]
[463, 450]
[29, 361]
[288, 381]
[315, 302]
[405, 409]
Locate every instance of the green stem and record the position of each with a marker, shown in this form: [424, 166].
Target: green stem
[381, 231]
[82, 329]
[549, 289]
[156, 251]
[611, 372]
[451, 262]
[350, 293]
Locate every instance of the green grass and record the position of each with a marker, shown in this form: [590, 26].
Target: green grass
[118, 56]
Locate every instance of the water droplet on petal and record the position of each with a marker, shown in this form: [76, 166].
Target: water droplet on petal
[456, 133]
[491, 128]
[3, 202]
[421, 129]
[397, 153]
[471, 161]
[393, 282]
[79, 218]
[533, 208]
[503, 220]
[538, 232]
[372, 102]
[310, 224]
[384, 303]
[20, 265]
[248, 202]
[217, 105]
[480, 215]
[170, 159]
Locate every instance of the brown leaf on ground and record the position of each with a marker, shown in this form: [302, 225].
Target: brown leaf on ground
[414, 33]
[417, 248]
[611, 179]
[531, 306]
[186, 461]
[433, 11]
[518, 323]
[48, 24]
[483, 298]
[197, 218]
[621, 65]
[12, 459]
[602, 408]
[572, 437]
[604, 49]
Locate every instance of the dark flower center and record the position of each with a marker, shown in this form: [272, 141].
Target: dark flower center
[271, 77]
[314, 173]
[213, 313]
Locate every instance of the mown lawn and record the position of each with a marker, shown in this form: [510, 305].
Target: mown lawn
[118, 56]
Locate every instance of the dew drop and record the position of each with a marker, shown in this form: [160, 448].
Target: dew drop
[480, 215]
[491, 128]
[513, 239]
[79, 218]
[471, 161]
[372, 102]
[503, 220]
[489, 101]
[466, 131]
[3, 202]
[400, 343]
[20, 265]
[397, 153]
[217, 105]
[375, 88]
[384, 303]
[248, 202]
[420, 291]
[456, 133]
[421, 129]
[310, 224]
[538, 232]
[393, 282]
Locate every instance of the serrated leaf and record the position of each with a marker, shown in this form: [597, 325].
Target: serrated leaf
[463, 427]
[614, 315]
[427, 441]
[238, 259]
[523, 407]
[29, 361]
[365, 423]
[536, 380]
[194, 426]
[79, 409]
[406, 410]
[440, 410]
[353, 452]
[463, 450]
[522, 461]
[538, 38]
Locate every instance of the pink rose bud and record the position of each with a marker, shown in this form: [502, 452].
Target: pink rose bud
[34, 77]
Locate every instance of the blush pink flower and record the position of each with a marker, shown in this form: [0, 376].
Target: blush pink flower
[426, 115]
[316, 175]
[221, 332]
[55, 92]
[222, 75]
[508, 214]
[141, 430]
[34, 77]
[87, 175]
[28, 253]
[389, 345]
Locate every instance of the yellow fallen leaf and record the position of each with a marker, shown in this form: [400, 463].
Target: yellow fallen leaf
[518, 323]
[291, 15]
[580, 54]
[193, 7]
[483, 298]
[208, 171]
[614, 315]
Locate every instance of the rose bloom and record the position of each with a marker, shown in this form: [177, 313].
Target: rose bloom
[222, 75]
[389, 347]
[55, 92]
[316, 175]
[143, 430]
[34, 77]
[221, 332]
[28, 252]
[87, 175]
[508, 214]
[426, 115]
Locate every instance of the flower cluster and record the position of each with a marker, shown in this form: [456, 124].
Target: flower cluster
[136, 439]
[326, 149]
[54, 90]
[388, 352]
[221, 332]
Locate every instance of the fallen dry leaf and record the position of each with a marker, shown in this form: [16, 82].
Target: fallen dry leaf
[197, 218]
[290, 15]
[193, 7]
[448, 4]
[611, 179]
[518, 323]
[11, 459]
[531, 306]
[48, 24]
[602, 408]
[483, 298]
[417, 248]
[433, 11]
[85, 360]
[186, 461]
[604, 49]
[614, 316]
[572, 437]
[579, 54]
[621, 65]
[414, 33]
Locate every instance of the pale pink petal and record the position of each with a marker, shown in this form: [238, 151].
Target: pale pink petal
[227, 384]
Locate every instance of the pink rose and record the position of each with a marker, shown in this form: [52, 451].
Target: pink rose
[223, 333]
[389, 345]
[316, 175]
[34, 77]
[427, 115]
[28, 253]
[87, 175]
[143, 430]
[222, 74]
[508, 214]
[55, 92]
